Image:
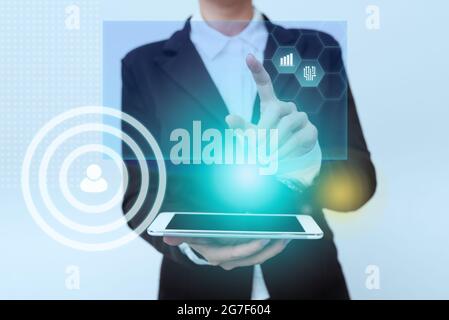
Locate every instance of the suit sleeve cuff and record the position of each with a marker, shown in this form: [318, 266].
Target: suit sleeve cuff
[300, 172]
[187, 250]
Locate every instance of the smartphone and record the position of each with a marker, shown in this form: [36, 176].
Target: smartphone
[235, 225]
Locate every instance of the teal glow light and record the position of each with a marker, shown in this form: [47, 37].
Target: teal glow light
[247, 176]
[241, 188]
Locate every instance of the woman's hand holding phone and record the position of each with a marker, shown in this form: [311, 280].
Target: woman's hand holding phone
[232, 253]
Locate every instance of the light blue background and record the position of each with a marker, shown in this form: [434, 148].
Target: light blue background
[399, 79]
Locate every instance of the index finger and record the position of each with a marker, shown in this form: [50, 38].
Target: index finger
[262, 79]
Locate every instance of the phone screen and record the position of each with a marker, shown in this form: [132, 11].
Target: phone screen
[230, 222]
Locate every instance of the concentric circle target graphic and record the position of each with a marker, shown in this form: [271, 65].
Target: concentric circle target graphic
[49, 208]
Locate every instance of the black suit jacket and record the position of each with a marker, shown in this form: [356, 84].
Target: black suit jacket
[166, 86]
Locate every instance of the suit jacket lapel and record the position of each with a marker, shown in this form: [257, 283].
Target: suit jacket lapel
[183, 64]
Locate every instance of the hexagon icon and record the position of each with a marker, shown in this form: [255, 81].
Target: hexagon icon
[331, 59]
[285, 37]
[309, 45]
[286, 86]
[309, 73]
[333, 86]
[309, 100]
[286, 59]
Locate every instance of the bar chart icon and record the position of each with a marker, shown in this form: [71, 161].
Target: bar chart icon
[287, 60]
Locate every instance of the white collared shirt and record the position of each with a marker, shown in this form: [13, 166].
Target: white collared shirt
[224, 59]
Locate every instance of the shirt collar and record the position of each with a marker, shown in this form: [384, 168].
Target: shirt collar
[211, 42]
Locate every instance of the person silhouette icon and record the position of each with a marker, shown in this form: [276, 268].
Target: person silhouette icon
[93, 182]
